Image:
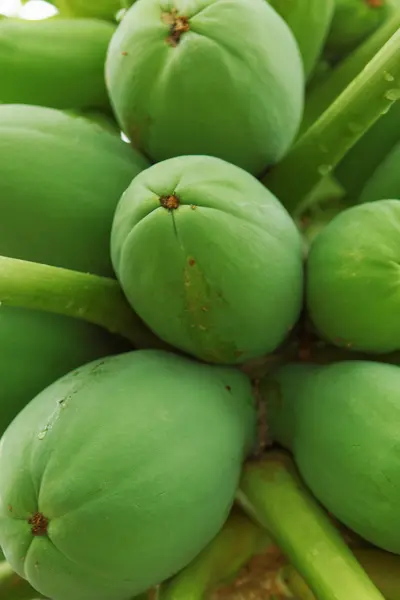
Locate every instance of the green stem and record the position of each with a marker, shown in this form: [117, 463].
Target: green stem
[323, 146]
[383, 569]
[272, 493]
[233, 547]
[322, 95]
[97, 300]
[13, 587]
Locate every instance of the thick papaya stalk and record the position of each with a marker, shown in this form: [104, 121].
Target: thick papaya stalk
[233, 547]
[272, 493]
[323, 146]
[97, 300]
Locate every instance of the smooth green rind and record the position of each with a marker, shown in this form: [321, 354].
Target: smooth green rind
[61, 178]
[221, 276]
[134, 460]
[54, 62]
[353, 278]
[88, 9]
[340, 421]
[232, 87]
[353, 21]
[273, 494]
[370, 151]
[385, 181]
[309, 21]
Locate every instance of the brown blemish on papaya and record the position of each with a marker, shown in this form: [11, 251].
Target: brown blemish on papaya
[178, 25]
[192, 262]
[228, 387]
[39, 523]
[193, 206]
[10, 508]
[124, 53]
[170, 202]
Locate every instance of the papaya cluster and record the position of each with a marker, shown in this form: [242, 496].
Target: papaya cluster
[134, 137]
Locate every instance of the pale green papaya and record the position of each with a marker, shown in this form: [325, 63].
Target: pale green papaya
[116, 476]
[310, 22]
[54, 62]
[60, 180]
[353, 21]
[215, 77]
[353, 281]
[359, 164]
[340, 421]
[385, 181]
[208, 258]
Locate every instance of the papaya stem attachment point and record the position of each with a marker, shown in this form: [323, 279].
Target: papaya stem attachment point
[170, 202]
[327, 141]
[178, 26]
[273, 494]
[91, 298]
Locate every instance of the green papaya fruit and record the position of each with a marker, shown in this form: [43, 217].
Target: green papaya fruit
[101, 9]
[353, 279]
[365, 157]
[215, 77]
[54, 62]
[116, 476]
[309, 21]
[208, 258]
[340, 421]
[385, 181]
[353, 21]
[60, 180]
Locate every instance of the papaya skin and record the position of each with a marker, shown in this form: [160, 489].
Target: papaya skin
[156, 441]
[353, 293]
[102, 9]
[60, 180]
[209, 259]
[385, 181]
[340, 421]
[309, 21]
[179, 75]
[57, 63]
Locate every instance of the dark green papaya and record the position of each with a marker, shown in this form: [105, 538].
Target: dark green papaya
[359, 164]
[119, 474]
[60, 180]
[385, 181]
[309, 21]
[54, 62]
[208, 258]
[353, 21]
[340, 421]
[353, 281]
[222, 78]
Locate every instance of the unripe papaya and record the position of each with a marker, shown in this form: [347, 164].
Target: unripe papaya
[119, 474]
[222, 78]
[341, 423]
[359, 164]
[54, 62]
[101, 9]
[353, 21]
[385, 181]
[310, 22]
[353, 278]
[60, 181]
[208, 258]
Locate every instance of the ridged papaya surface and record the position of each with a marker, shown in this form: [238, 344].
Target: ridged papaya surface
[385, 181]
[60, 180]
[54, 62]
[208, 258]
[341, 423]
[119, 474]
[310, 22]
[215, 77]
[353, 283]
[359, 164]
[353, 21]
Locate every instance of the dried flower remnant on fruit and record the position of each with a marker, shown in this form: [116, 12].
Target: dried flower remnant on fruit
[170, 202]
[178, 25]
[39, 524]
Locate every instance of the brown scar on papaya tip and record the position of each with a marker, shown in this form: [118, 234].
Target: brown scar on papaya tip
[178, 25]
[170, 202]
[39, 524]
